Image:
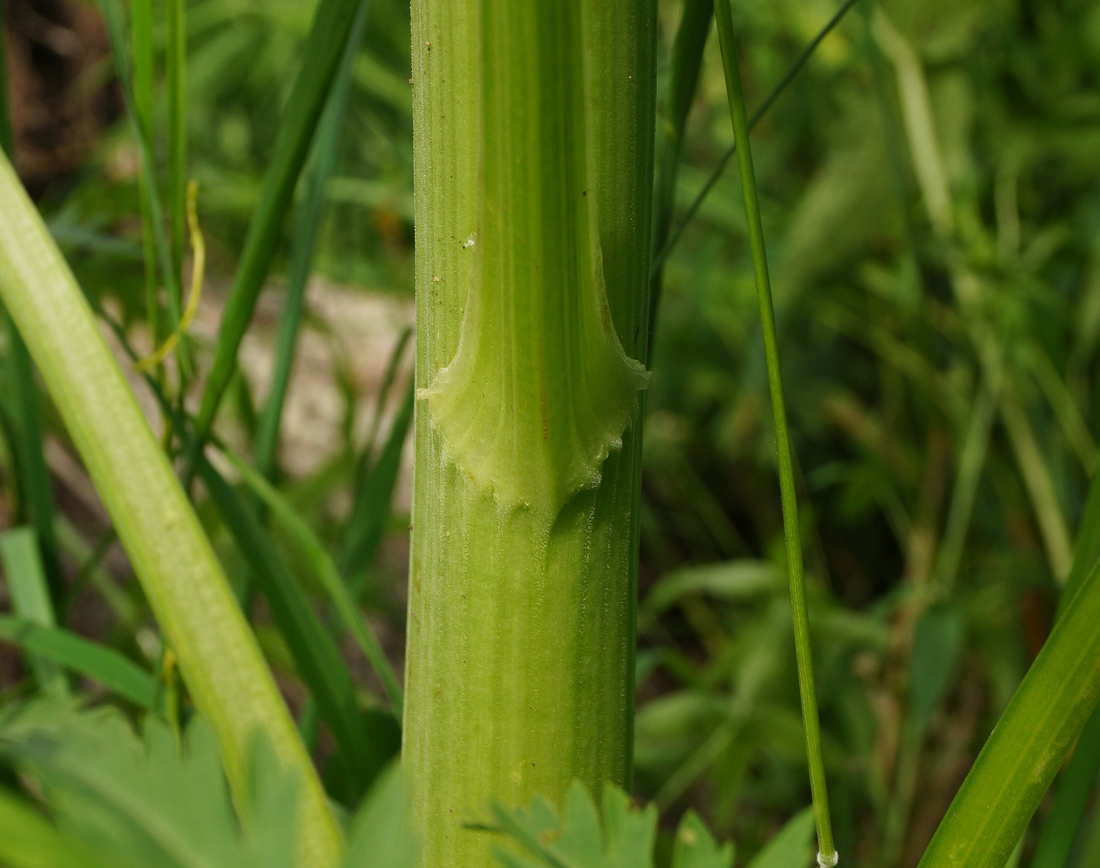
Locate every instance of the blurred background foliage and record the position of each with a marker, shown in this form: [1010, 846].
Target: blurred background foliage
[930, 187]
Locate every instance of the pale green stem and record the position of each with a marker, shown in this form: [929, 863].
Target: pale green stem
[826, 850]
[171, 555]
[522, 571]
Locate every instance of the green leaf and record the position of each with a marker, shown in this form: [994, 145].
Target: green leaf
[937, 649]
[29, 840]
[695, 847]
[151, 801]
[108, 667]
[379, 836]
[624, 838]
[792, 847]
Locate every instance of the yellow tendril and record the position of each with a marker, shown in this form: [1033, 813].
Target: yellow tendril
[198, 253]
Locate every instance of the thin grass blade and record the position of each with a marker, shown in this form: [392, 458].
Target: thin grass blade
[827, 855]
[324, 570]
[141, 44]
[321, 54]
[307, 227]
[175, 12]
[62, 648]
[33, 475]
[800, 61]
[30, 598]
[315, 654]
[373, 501]
[687, 60]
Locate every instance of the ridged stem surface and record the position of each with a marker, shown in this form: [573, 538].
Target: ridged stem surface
[532, 269]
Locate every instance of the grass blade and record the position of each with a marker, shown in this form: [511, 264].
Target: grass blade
[315, 653]
[827, 855]
[172, 557]
[1044, 719]
[307, 227]
[800, 61]
[36, 487]
[381, 401]
[326, 573]
[141, 38]
[322, 53]
[176, 59]
[34, 476]
[114, 19]
[687, 60]
[373, 500]
[105, 665]
[30, 597]
[1060, 829]
[1059, 833]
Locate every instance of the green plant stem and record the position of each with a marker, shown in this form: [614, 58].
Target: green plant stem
[727, 40]
[521, 611]
[170, 553]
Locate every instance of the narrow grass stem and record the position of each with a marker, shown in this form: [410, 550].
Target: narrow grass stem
[176, 61]
[727, 39]
[661, 255]
[141, 47]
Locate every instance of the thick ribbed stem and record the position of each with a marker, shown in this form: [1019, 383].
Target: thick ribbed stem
[519, 675]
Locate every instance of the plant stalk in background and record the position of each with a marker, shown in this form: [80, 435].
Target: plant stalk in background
[531, 303]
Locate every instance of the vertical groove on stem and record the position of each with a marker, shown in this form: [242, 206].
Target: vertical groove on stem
[827, 855]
